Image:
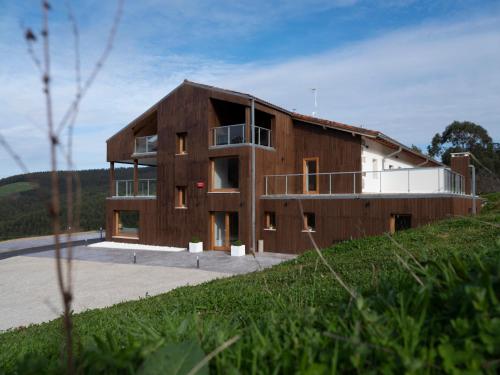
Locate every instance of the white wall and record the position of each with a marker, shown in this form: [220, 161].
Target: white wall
[372, 156]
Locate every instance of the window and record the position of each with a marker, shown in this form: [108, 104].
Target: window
[311, 176]
[375, 168]
[225, 173]
[181, 143]
[127, 224]
[270, 221]
[181, 197]
[399, 222]
[309, 222]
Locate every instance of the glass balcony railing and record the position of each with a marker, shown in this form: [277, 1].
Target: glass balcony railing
[393, 181]
[228, 135]
[235, 134]
[147, 144]
[125, 188]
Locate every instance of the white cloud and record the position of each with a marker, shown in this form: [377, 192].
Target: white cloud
[409, 84]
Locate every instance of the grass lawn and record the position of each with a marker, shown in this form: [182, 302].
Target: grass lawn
[16, 187]
[436, 313]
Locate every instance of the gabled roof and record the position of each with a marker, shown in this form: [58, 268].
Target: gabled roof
[376, 135]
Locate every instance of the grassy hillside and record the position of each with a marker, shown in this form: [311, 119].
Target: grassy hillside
[437, 313]
[16, 187]
[24, 200]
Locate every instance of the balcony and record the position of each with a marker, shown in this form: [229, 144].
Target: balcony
[392, 181]
[146, 145]
[145, 188]
[235, 134]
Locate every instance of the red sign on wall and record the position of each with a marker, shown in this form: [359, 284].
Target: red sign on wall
[200, 184]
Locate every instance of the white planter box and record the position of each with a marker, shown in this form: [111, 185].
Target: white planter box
[196, 247]
[237, 251]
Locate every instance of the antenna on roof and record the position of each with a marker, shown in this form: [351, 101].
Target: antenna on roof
[315, 112]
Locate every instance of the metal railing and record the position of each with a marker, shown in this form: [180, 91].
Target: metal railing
[125, 188]
[235, 134]
[146, 144]
[396, 181]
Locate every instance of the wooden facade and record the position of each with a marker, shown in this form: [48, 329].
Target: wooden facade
[192, 111]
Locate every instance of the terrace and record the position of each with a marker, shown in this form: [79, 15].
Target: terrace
[392, 181]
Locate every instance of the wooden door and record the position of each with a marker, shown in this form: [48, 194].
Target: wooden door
[223, 229]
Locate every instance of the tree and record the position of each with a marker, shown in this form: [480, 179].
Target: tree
[460, 136]
[416, 148]
[465, 136]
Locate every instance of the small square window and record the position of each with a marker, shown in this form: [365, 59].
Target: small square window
[181, 197]
[309, 222]
[181, 143]
[270, 221]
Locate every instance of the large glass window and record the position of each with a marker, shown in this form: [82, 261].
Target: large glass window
[225, 173]
[127, 224]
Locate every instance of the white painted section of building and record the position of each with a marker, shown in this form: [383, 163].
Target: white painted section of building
[382, 174]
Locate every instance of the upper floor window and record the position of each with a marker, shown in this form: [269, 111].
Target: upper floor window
[311, 176]
[225, 173]
[181, 197]
[181, 143]
[375, 168]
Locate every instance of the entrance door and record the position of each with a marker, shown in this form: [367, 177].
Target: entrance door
[224, 229]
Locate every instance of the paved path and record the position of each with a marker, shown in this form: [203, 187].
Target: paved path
[33, 242]
[217, 261]
[28, 289]
[104, 277]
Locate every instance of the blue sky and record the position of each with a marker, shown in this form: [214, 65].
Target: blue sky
[407, 68]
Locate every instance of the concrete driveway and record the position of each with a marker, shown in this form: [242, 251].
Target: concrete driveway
[104, 277]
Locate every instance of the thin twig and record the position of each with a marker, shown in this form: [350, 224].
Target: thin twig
[351, 292]
[399, 246]
[212, 354]
[97, 67]
[13, 154]
[55, 196]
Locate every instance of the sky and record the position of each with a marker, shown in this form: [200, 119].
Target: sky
[407, 68]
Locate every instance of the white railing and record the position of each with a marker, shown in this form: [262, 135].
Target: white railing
[125, 188]
[144, 145]
[235, 134]
[396, 181]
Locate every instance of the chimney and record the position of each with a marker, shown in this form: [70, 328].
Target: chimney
[460, 164]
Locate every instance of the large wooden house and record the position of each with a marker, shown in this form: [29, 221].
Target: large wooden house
[230, 166]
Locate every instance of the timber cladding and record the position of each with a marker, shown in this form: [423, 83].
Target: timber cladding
[192, 111]
[342, 219]
[147, 219]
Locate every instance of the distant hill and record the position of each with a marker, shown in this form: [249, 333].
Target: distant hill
[24, 200]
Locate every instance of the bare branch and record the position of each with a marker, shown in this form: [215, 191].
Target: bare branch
[212, 354]
[97, 67]
[30, 38]
[13, 154]
[351, 292]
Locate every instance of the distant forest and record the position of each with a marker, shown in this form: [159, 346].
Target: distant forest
[24, 200]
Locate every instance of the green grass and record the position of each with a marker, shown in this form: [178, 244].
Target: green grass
[16, 187]
[296, 317]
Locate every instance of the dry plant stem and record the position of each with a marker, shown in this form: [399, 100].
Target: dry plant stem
[13, 154]
[212, 354]
[337, 277]
[97, 67]
[55, 198]
[71, 217]
[406, 251]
